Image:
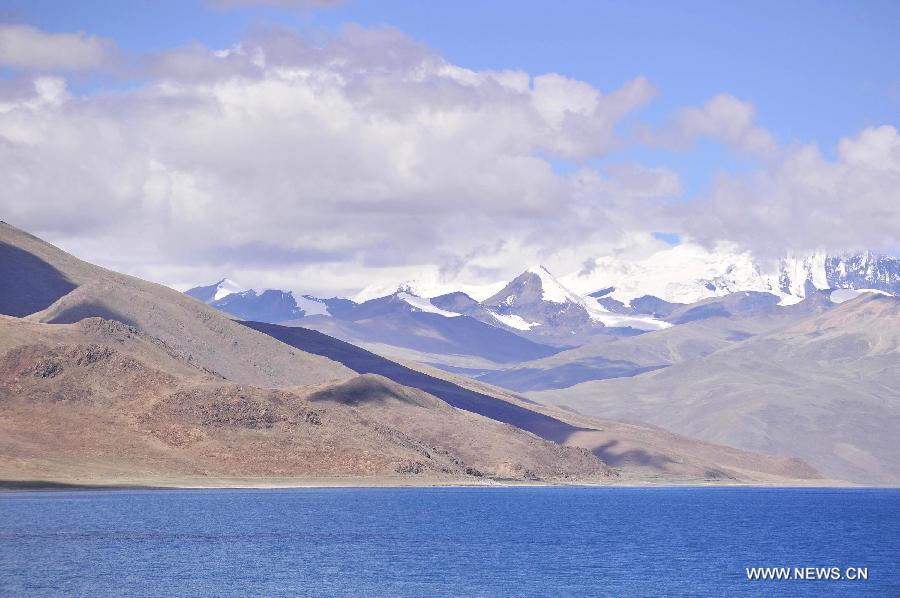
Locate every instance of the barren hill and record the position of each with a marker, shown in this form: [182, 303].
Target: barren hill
[826, 389]
[48, 285]
[640, 453]
[98, 400]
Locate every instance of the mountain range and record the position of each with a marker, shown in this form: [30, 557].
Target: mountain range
[802, 361]
[547, 312]
[688, 273]
[109, 379]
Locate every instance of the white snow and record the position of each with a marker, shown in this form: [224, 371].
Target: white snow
[552, 289]
[789, 300]
[598, 313]
[226, 287]
[514, 321]
[312, 306]
[801, 269]
[556, 292]
[842, 295]
[689, 272]
[427, 286]
[425, 305]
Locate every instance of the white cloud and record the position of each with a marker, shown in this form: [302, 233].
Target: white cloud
[630, 181]
[581, 116]
[806, 202]
[724, 118]
[368, 159]
[26, 47]
[324, 166]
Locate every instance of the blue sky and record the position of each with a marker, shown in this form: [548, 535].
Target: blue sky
[801, 153]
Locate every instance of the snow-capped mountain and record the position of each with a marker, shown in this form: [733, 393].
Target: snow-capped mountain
[688, 273]
[863, 271]
[425, 305]
[270, 305]
[537, 302]
[426, 286]
[215, 291]
[615, 293]
[404, 322]
[685, 273]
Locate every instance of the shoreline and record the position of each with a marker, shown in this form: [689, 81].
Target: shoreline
[18, 486]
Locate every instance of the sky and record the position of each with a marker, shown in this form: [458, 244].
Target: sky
[327, 146]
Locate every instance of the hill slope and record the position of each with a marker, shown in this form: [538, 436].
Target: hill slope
[703, 328]
[403, 320]
[826, 389]
[63, 289]
[99, 401]
[640, 453]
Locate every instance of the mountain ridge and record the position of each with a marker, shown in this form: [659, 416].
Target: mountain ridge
[123, 381]
[826, 388]
[604, 303]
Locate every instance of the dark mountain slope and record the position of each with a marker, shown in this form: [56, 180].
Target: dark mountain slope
[366, 362]
[639, 451]
[28, 283]
[393, 321]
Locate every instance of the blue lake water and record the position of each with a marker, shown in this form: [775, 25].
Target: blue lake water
[446, 541]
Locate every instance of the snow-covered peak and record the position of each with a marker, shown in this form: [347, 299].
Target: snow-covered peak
[425, 305]
[216, 291]
[685, 273]
[551, 289]
[225, 287]
[545, 305]
[426, 287]
[688, 273]
[797, 274]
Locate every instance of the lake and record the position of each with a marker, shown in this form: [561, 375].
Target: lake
[446, 541]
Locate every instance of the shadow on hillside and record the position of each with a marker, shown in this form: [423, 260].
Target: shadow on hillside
[80, 311]
[637, 457]
[366, 362]
[28, 284]
[44, 485]
[365, 389]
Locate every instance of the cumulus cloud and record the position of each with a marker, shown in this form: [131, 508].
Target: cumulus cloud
[630, 181]
[724, 118]
[26, 47]
[582, 117]
[806, 202]
[319, 165]
[367, 158]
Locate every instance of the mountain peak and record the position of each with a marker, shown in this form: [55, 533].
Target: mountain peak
[409, 288]
[551, 289]
[225, 287]
[539, 269]
[215, 291]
